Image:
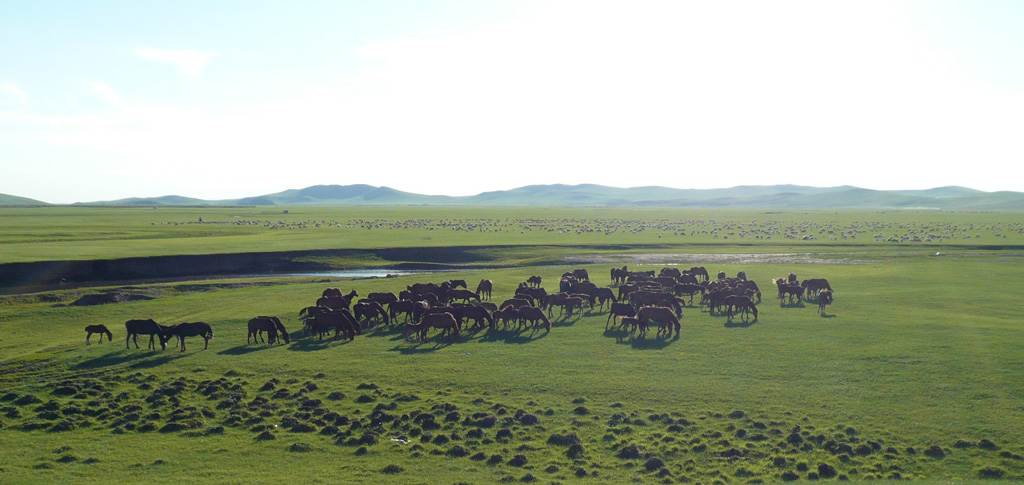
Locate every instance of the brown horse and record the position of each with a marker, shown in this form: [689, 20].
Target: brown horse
[824, 299]
[664, 316]
[635, 324]
[789, 289]
[188, 329]
[736, 303]
[271, 325]
[535, 316]
[134, 328]
[620, 310]
[483, 290]
[444, 321]
[534, 281]
[100, 329]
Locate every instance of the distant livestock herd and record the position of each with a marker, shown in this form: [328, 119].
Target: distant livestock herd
[640, 299]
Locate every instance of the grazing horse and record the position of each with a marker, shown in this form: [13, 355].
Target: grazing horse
[339, 320]
[134, 328]
[534, 281]
[602, 295]
[824, 299]
[464, 295]
[189, 329]
[408, 307]
[815, 285]
[634, 325]
[444, 321]
[664, 316]
[458, 283]
[619, 275]
[370, 310]
[483, 290]
[581, 274]
[479, 315]
[700, 272]
[507, 316]
[620, 310]
[385, 298]
[100, 329]
[736, 303]
[534, 315]
[789, 289]
[271, 325]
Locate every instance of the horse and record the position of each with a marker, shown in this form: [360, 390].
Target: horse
[815, 285]
[602, 295]
[483, 290]
[444, 321]
[824, 299]
[688, 290]
[464, 295]
[385, 298]
[408, 307]
[100, 329]
[507, 315]
[370, 310]
[189, 329]
[664, 316]
[700, 272]
[635, 324]
[479, 315]
[134, 328]
[340, 321]
[619, 275]
[534, 315]
[534, 281]
[581, 274]
[736, 303]
[673, 273]
[458, 283]
[271, 325]
[789, 289]
[620, 310]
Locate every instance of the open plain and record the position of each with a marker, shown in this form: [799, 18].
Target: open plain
[915, 371]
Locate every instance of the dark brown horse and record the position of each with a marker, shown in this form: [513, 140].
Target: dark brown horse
[535, 316]
[444, 321]
[483, 290]
[134, 328]
[271, 325]
[620, 310]
[534, 281]
[664, 316]
[188, 329]
[100, 329]
[824, 299]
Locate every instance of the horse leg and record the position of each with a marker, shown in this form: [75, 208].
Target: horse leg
[89, 334]
[207, 339]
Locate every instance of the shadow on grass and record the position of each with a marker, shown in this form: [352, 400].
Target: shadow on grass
[412, 348]
[799, 304]
[632, 338]
[825, 315]
[564, 321]
[739, 323]
[311, 344]
[524, 336]
[245, 349]
[136, 360]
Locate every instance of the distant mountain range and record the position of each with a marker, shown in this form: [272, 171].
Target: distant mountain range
[750, 196]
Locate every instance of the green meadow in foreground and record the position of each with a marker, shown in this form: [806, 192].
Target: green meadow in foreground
[916, 371]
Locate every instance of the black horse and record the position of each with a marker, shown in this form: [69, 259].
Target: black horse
[188, 329]
[134, 328]
[100, 329]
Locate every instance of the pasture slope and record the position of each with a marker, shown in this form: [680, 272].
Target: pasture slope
[915, 372]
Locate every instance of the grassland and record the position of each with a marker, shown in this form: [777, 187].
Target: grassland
[918, 351]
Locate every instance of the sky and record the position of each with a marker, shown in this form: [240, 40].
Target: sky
[102, 100]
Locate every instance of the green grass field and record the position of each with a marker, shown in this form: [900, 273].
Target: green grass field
[917, 351]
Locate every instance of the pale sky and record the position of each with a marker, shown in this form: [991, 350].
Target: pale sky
[102, 100]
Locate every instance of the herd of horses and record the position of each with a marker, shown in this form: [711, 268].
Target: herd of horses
[642, 298]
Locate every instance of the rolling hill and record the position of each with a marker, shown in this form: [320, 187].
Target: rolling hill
[749, 196]
[14, 200]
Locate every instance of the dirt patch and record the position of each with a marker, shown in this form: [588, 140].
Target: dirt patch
[675, 259]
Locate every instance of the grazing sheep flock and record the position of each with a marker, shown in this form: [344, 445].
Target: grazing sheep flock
[640, 298]
[879, 231]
